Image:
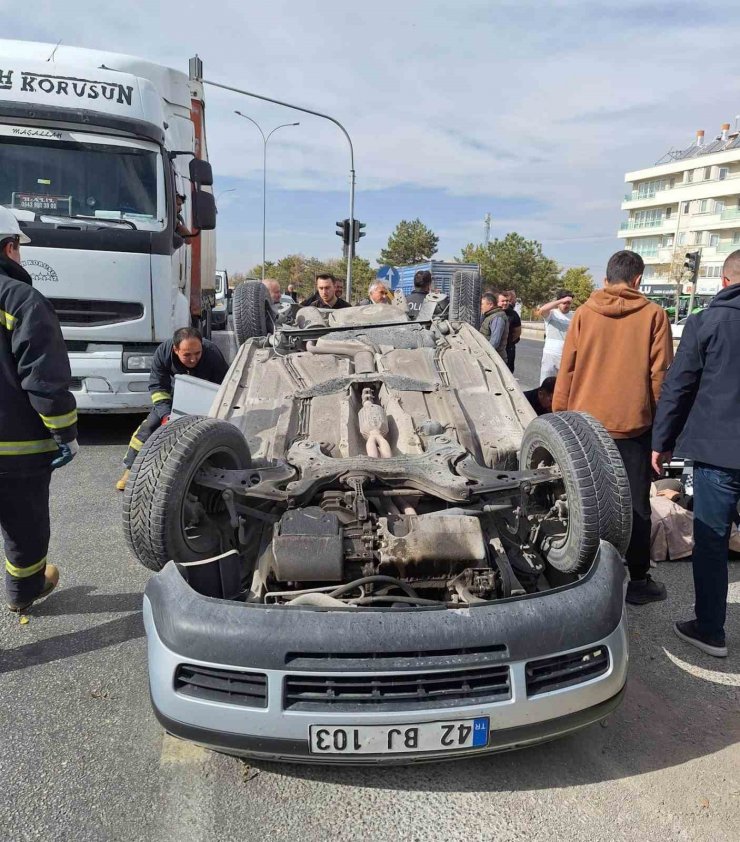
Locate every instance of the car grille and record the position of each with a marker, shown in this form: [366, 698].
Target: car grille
[248, 689]
[76, 312]
[75, 384]
[399, 691]
[561, 671]
[387, 661]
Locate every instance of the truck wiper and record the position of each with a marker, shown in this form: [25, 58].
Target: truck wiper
[105, 219]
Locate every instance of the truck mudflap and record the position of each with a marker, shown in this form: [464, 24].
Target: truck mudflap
[265, 637]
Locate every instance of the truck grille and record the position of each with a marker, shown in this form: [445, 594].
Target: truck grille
[248, 689]
[400, 691]
[75, 312]
[561, 671]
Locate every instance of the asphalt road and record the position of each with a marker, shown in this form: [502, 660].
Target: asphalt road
[84, 759]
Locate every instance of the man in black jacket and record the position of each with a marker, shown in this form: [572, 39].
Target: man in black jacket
[186, 353]
[699, 415]
[38, 421]
[422, 286]
[326, 296]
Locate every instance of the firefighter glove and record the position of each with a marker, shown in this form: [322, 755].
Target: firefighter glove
[65, 454]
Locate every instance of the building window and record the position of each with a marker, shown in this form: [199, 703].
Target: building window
[668, 212]
[687, 206]
[689, 176]
[647, 246]
[668, 241]
[736, 238]
[703, 206]
[682, 238]
[723, 173]
[719, 206]
[713, 240]
[707, 173]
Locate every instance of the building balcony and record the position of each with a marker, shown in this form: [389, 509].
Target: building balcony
[726, 248]
[633, 225]
[730, 214]
[682, 191]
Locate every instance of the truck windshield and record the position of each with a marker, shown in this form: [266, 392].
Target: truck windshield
[83, 178]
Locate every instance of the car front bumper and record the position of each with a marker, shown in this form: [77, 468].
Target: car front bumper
[286, 644]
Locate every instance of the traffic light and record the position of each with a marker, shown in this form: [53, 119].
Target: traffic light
[343, 231]
[357, 231]
[691, 264]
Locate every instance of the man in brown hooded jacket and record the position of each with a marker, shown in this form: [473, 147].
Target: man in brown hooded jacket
[616, 354]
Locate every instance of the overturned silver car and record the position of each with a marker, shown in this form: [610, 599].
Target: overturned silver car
[373, 551]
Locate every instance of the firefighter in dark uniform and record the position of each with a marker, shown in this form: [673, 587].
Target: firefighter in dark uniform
[186, 353]
[38, 421]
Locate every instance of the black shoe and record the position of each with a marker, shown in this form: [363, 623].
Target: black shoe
[689, 632]
[642, 591]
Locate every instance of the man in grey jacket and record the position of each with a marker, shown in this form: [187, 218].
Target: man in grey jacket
[494, 323]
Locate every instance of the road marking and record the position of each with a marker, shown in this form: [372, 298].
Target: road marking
[186, 796]
[176, 751]
[730, 679]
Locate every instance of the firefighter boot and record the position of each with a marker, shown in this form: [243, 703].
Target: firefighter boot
[121, 484]
[51, 580]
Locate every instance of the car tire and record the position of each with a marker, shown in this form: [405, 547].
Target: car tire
[465, 298]
[251, 309]
[160, 497]
[551, 440]
[615, 497]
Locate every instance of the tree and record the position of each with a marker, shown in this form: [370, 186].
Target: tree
[579, 281]
[410, 242]
[515, 263]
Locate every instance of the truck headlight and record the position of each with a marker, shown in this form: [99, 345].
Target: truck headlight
[137, 362]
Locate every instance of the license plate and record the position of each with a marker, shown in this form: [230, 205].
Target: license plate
[399, 739]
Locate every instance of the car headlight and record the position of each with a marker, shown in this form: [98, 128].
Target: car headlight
[137, 362]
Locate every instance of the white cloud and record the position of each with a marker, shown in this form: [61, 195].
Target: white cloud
[533, 101]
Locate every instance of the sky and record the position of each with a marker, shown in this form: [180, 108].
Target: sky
[529, 111]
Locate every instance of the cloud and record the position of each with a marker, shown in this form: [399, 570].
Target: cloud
[521, 102]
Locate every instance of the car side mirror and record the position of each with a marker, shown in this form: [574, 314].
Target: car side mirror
[204, 210]
[201, 172]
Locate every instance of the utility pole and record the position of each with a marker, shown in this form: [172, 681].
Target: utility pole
[198, 76]
[486, 229]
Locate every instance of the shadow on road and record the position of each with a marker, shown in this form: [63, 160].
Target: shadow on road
[107, 429]
[78, 600]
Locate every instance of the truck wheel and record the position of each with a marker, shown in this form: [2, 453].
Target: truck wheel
[465, 298]
[166, 514]
[251, 311]
[615, 504]
[571, 510]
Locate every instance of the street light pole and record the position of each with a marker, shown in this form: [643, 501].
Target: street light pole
[351, 156]
[265, 138]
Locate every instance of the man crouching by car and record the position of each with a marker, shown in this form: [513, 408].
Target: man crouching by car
[186, 353]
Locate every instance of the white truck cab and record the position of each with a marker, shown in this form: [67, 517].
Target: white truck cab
[95, 147]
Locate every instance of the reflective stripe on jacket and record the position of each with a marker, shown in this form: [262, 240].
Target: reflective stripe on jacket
[37, 410]
[165, 365]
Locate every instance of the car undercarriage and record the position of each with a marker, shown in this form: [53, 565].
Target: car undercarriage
[355, 462]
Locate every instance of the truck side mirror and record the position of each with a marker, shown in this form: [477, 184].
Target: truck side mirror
[201, 172]
[204, 210]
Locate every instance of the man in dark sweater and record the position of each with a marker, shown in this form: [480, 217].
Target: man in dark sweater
[698, 416]
[507, 300]
[326, 297]
[186, 353]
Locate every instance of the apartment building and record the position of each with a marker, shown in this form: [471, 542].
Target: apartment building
[688, 201]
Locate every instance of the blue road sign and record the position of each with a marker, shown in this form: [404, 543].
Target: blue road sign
[390, 275]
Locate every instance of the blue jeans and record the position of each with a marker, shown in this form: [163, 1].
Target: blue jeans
[716, 495]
